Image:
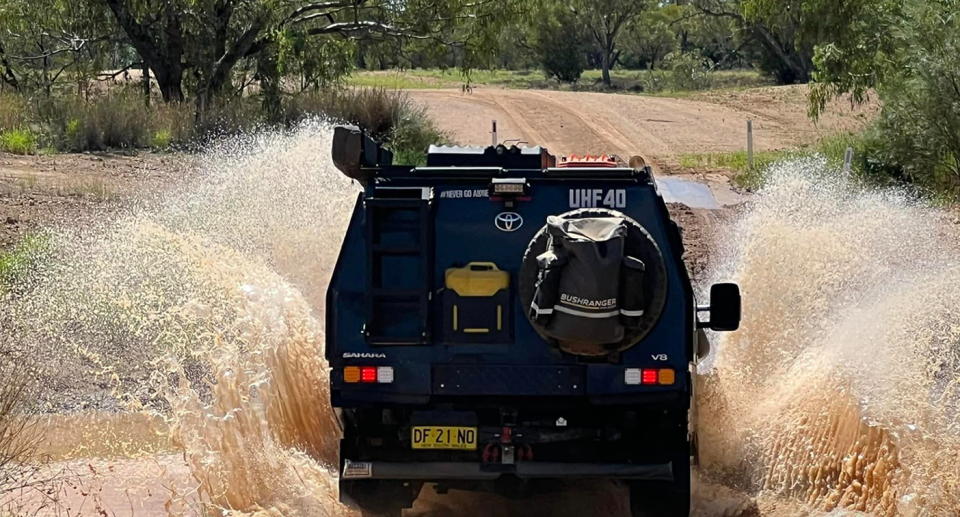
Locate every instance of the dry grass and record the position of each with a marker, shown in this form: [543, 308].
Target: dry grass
[13, 111]
[118, 119]
[93, 188]
[389, 117]
[19, 433]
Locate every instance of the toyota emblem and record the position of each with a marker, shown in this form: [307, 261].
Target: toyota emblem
[508, 221]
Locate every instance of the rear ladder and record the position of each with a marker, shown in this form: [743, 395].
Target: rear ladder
[399, 227]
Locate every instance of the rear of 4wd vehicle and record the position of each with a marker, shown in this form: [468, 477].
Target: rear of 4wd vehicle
[500, 322]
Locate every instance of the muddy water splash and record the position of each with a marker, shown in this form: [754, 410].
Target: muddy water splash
[203, 307]
[841, 388]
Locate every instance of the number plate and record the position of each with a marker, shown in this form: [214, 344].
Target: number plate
[463, 438]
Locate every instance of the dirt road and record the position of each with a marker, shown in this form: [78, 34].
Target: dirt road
[654, 127]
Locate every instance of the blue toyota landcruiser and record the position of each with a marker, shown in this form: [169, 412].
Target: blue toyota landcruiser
[500, 320]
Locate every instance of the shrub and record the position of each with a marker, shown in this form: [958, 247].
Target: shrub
[13, 111]
[388, 117]
[375, 110]
[18, 141]
[411, 137]
[226, 117]
[161, 139]
[115, 120]
[19, 435]
[908, 52]
[17, 266]
[119, 119]
[559, 46]
[688, 71]
[72, 135]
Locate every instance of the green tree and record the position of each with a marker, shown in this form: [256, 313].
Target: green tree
[718, 39]
[606, 21]
[907, 51]
[651, 38]
[783, 30]
[865, 48]
[209, 37]
[43, 41]
[559, 42]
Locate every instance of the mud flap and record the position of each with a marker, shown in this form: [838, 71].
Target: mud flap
[379, 497]
[703, 344]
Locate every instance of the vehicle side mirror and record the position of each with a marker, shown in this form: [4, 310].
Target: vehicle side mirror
[724, 308]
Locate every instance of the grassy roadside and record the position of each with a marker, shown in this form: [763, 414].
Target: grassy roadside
[17, 264]
[120, 120]
[832, 148]
[655, 82]
[869, 165]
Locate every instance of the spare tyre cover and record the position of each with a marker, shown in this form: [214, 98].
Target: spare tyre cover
[621, 253]
[578, 285]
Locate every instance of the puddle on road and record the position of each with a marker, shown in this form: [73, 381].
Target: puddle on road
[694, 193]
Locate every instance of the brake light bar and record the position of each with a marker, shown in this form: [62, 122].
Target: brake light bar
[368, 374]
[649, 376]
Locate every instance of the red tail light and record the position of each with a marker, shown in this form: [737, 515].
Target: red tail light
[368, 374]
[650, 376]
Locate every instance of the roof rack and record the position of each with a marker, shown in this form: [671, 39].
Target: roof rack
[512, 157]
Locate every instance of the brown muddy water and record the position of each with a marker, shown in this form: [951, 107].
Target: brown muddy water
[181, 348]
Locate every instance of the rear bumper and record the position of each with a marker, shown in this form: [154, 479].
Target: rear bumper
[443, 471]
[367, 399]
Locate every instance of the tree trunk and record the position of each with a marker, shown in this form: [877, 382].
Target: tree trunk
[210, 82]
[795, 62]
[6, 74]
[165, 59]
[170, 82]
[145, 77]
[361, 58]
[606, 68]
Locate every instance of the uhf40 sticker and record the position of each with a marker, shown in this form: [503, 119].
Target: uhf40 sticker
[598, 198]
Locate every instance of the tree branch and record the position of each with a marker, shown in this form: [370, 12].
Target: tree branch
[222, 67]
[104, 75]
[328, 15]
[8, 76]
[297, 13]
[140, 36]
[345, 28]
[77, 45]
[719, 14]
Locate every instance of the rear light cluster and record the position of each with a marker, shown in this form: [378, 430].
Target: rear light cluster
[368, 374]
[649, 376]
